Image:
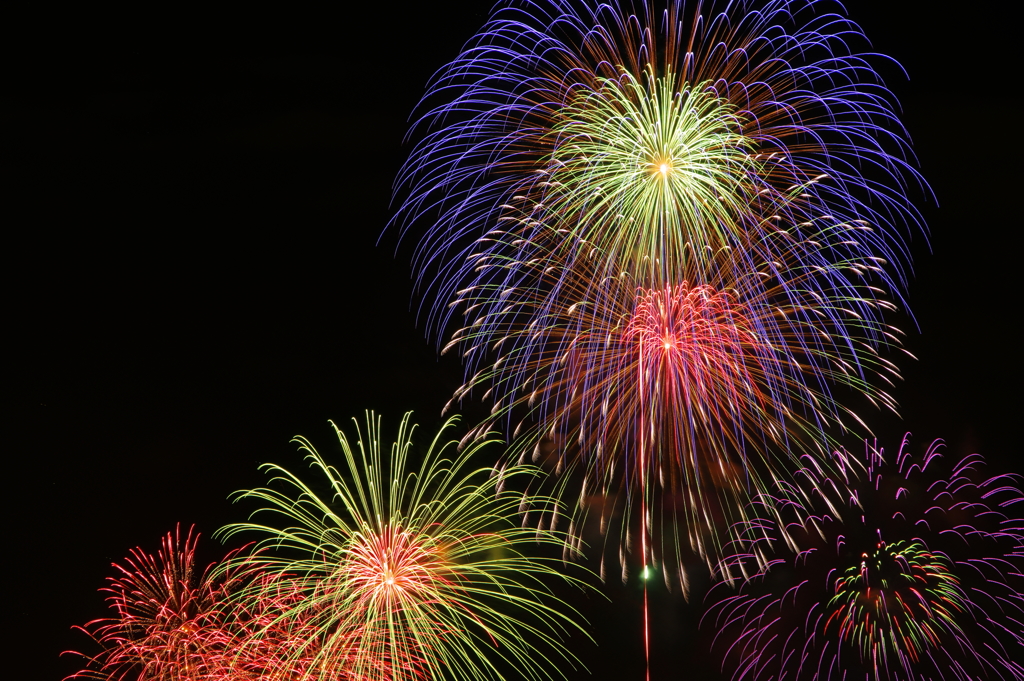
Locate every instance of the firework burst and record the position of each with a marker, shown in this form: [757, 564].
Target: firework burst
[684, 391]
[912, 576]
[595, 177]
[407, 573]
[659, 136]
[169, 620]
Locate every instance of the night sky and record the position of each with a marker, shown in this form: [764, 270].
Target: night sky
[192, 209]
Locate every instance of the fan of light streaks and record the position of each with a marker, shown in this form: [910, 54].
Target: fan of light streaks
[421, 568]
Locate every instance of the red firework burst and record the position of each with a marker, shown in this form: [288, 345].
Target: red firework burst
[696, 346]
[168, 623]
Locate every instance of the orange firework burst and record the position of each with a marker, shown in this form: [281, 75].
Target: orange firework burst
[391, 567]
[697, 348]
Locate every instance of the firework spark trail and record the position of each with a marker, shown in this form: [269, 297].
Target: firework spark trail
[644, 528]
[419, 568]
[907, 575]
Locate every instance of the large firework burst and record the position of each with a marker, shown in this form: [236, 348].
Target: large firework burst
[419, 568]
[601, 180]
[658, 135]
[913, 576]
[169, 620]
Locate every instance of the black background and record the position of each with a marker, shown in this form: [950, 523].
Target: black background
[191, 210]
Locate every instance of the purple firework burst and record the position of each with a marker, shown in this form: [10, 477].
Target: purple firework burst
[915, 573]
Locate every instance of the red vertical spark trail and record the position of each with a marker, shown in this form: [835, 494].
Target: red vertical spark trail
[643, 517]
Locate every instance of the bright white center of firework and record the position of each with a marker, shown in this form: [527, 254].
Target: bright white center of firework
[664, 169]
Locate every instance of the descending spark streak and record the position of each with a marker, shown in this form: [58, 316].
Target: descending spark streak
[915, 576]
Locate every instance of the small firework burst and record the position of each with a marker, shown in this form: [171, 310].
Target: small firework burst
[912, 576]
[169, 620]
[900, 597]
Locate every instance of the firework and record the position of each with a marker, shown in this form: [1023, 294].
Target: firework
[168, 623]
[602, 181]
[683, 391]
[405, 573]
[913, 576]
[660, 136]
